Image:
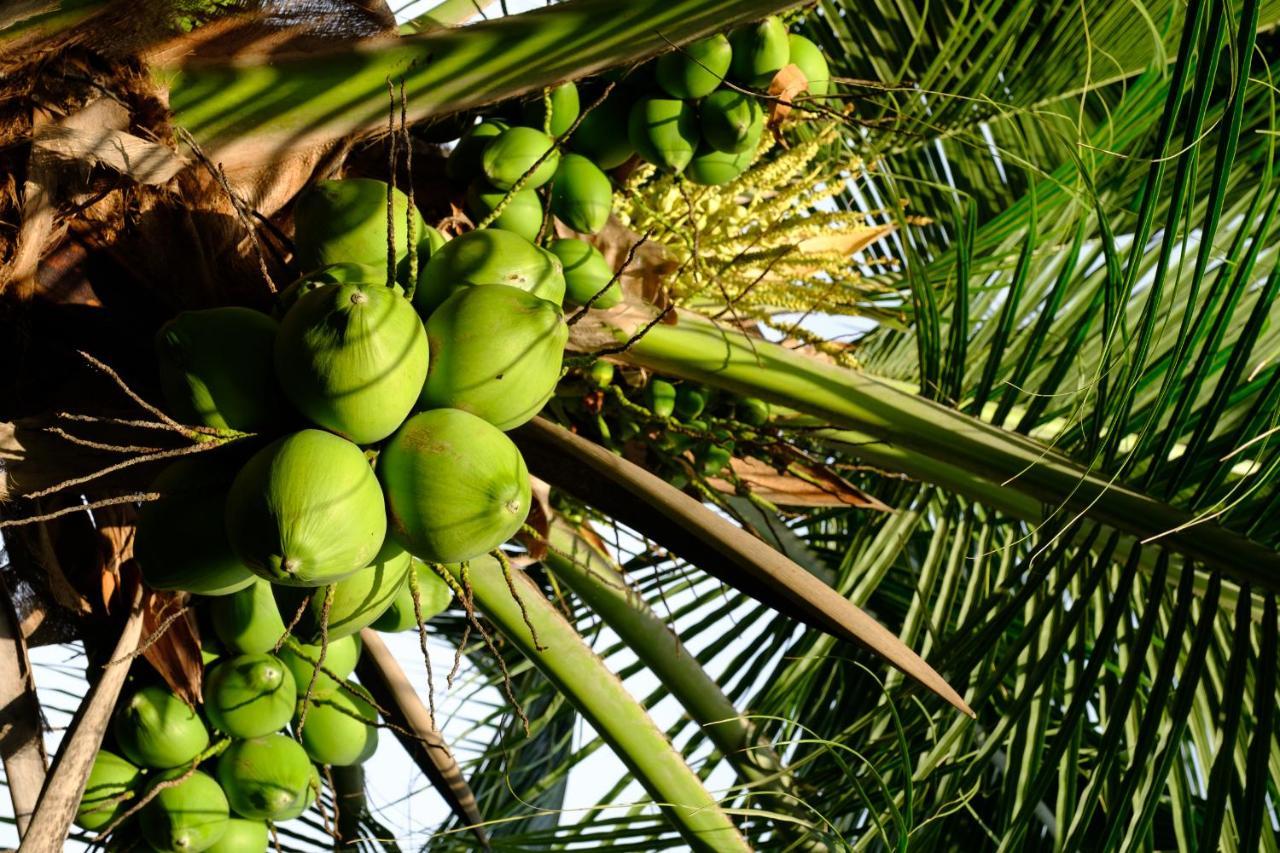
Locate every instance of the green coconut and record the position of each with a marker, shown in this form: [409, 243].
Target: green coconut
[696, 69]
[340, 730]
[429, 242]
[602, 133]
[507, 158]
[214, 369]
[690, 401]
[752, 411]
[662, 397]
[243, 836]
[352, 358]
[521, 215]
[581, 194]
[155, 728]
[249, 695]
[345, 221]
[189, 817]
[332, 274]
[466, 160]
[456, 487]
[112, 781]
[499, 354]
[586, 273]
[357, 600]
[339, 662]
[664, 132]
[808, 57]
[306, 510]
[181, 542]
[731, 121]
[266, 778]
[601, 372]
[564, 109]
[759, 52]
[714, 168]
[248, 621]
[434, 597]
[488, 256]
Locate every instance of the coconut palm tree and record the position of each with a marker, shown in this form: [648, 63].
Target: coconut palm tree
[1052, 441]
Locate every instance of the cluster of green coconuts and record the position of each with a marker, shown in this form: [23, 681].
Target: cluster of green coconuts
[704, 411]
[690, 111]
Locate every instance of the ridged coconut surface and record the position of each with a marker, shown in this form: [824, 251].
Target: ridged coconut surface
[247, 621]
[189, 816]
[759, 51]
[693, 71]
[212, 369]
[340, 660]
[345, 221]
[357, 600]
[434, 596]
[499, 352]
[110, 781]
[154, 728]
[306, 510]
[731, 121]
[586, 273]
[517, 150]
[487, 256]
[352, 358]
[340, 729]
[181, 542]
[249, 695]
[267, 778]
[456, 486]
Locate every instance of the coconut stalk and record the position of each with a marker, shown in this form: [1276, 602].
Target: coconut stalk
[684, 526]
[386, 682]
[908, 433]
[569, 663]
[248, 112]
[22, 746]
[66, 781]
[595, 579]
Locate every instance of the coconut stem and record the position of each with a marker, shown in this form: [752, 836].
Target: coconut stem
[511, 585]
[466, 631]
[293, 623]
[507, 686]
[422, 641]
[324, 651]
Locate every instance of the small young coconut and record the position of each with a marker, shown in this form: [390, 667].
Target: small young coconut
[352, 358]
[456, 487]
[434, 596]
[466, 160]
[521, 215]
[564, 109]
[214, 369]
[499, 352]
[731, 121]
[715, 168]
[339, 660]
[808, 57]
[250, 695]
[357, 600]
[266, 778]
[345, 221]
[190, 816]
[759, 52]
[602, 133]
[488, 256]
[111, 780]
[154, 728]
[243, 836]
[340, 729]
[581, 194]
[696, 69]
[247, 621]
[664, 132]
[586, 273]
[507, 158]
[181, 542]
[662, 397]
